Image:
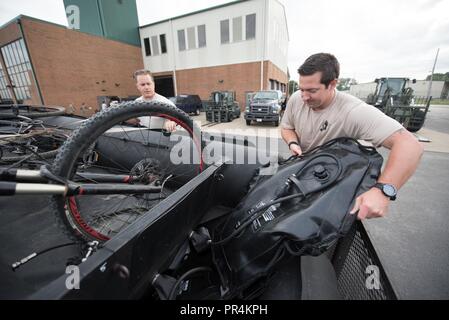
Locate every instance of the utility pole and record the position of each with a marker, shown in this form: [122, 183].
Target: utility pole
[431, 75]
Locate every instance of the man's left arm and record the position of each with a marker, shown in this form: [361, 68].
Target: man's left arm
[405, 153]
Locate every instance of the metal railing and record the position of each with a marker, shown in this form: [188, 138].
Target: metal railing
[359, 271]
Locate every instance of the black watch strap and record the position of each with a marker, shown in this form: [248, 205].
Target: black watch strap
[393, 192]
[292, 142]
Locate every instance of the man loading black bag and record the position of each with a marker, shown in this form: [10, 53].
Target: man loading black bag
[317, 113]
[307, 206]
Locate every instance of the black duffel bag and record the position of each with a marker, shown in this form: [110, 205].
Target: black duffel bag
[302, 209]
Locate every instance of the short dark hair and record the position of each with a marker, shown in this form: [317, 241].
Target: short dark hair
[325, 63]
[142, 72]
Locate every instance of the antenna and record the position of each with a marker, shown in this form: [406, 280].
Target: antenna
[431, 76]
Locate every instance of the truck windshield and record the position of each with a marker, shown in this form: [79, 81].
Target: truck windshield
[266, 95]
[395, 86]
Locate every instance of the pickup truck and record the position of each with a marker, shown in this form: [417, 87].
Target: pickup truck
[266, 106]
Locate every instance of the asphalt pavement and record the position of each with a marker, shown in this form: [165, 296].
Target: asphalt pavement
[413, 240]
[437, 118]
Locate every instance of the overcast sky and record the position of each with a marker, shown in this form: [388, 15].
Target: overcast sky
[371, 38]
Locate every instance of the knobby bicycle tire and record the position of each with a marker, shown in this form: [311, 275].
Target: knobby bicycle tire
[67, 212]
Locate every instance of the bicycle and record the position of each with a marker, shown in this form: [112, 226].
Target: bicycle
[108, 173]
[23, 140]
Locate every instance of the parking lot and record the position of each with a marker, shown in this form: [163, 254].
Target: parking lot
[436, 128]
[413, 240]
[265, 128]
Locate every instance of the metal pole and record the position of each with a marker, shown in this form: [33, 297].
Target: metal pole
[264, 32]
[172, 35]
[431, 76]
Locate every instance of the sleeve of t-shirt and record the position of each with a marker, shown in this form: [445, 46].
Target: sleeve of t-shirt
[368, 123]
[287, 121]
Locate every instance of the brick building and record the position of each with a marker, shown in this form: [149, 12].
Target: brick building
[45, 63]
[240, 46]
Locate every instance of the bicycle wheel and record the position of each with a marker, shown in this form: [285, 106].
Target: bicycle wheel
[11, 111]
[107, 146]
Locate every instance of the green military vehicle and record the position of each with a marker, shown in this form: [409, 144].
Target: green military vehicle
[222, 107]
[395, 98]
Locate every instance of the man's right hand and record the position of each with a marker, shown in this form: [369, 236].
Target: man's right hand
[295, 149]
[170, 126]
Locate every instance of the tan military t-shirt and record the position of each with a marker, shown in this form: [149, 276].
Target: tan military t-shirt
[154, 122]
[347, 116]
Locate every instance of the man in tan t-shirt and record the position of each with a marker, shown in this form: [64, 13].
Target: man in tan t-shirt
[317, 113]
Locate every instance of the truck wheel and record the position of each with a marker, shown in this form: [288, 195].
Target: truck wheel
[248, 122]
[417, 121]
[276, 123]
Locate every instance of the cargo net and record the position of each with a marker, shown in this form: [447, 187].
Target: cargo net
[360, 274]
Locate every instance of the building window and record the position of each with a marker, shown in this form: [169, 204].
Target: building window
[155, 45]
[202, 36]
[152, 48]
[163, 43]
[18, 67]
[191, 41]
[224, 31]
[237, 29]
[181, 40]
[192, 33]
[251, 26]
[146, 42]
[4, 92]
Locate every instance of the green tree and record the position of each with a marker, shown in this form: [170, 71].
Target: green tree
[292, 86]
[345, 83]
[439, 77]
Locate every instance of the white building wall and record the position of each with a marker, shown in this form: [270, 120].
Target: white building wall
[216, 53]
[277, 36]
[274, 33]
[362, 90]
[162, 62]
[421, 87]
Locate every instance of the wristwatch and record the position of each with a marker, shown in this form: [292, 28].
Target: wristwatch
[388, 190]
